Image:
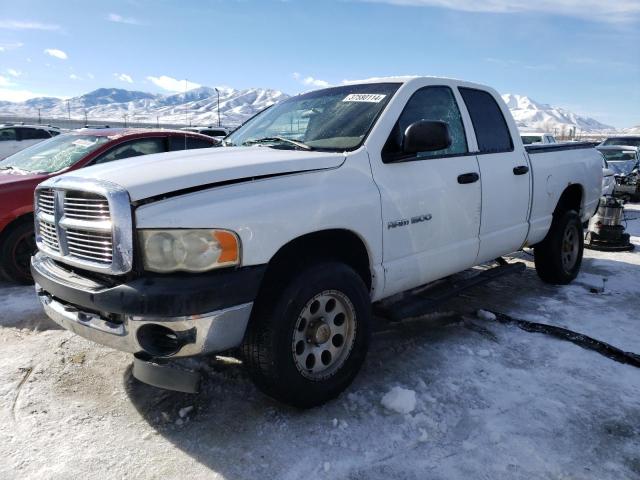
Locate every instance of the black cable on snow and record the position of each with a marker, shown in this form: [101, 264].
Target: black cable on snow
[576, 338]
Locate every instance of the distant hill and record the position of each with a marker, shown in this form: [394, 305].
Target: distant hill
[199, 107]
[533, 115]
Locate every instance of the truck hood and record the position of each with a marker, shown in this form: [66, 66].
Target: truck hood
[152, 175]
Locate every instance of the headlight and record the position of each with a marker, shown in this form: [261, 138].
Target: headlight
[189, 250]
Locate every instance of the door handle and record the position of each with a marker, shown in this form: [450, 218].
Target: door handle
[520, 170]
[468, 178]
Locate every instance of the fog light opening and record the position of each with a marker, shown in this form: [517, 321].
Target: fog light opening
[160, 341]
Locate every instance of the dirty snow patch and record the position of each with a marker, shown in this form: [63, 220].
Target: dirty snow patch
[400, 400]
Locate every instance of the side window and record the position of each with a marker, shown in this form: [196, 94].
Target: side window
[491, 128]
[7, 134]
[133, 148]
[216, 133]
[429, 103]
[178, 143]
[34, 134]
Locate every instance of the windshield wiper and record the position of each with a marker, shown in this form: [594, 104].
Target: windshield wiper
[301, 145]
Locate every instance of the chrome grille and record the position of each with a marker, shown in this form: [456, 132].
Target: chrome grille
[95, 246]
[86, 206]
[46, 201]
[49, 235]
[75, 224]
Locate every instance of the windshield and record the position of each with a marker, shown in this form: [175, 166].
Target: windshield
[54, 154]
[631, 141]
[621, 167]
[331, 119]
[529, 139]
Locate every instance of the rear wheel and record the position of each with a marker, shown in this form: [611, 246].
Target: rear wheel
[559, 256]
[307, 342]
[15, 253]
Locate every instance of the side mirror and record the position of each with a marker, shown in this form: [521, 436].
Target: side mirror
[426, 136]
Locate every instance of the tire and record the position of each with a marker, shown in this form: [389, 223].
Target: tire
[327, 304]
[15, 253]
[559, 256]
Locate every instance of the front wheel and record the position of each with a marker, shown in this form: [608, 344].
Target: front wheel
[15, 253]
[559, 256]
[307, 342]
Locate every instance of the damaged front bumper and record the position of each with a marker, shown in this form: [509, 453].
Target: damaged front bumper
[129, 316]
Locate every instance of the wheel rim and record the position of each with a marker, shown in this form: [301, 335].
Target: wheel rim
[23, 249]
[324, 334]
[570, 247]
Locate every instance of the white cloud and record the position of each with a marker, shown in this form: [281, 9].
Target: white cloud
[91, 76]
[4, 47]
[54, 52]
[310, 81]
[5, 82]
[173, 84]
[114, 17]
[27, 25]
[123, 77]
[73, 76]
[618, 11]
[13, 72]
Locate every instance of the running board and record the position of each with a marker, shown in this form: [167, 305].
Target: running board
[426, 299]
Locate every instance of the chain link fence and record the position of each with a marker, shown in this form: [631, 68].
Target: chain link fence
[73, 123]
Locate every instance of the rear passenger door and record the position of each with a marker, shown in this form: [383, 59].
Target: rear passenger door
[431, 200]
[506, 179]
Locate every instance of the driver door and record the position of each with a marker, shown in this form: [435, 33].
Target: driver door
[431, 201]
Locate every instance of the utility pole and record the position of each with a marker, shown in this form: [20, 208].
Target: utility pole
[125, 120]
[39, 118]
[86, 122]
[218, 92]
[69, 109]
[157, 121]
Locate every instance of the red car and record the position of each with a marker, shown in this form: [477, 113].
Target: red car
[21, 172]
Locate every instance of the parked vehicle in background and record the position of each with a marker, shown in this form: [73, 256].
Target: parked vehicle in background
[608, 179]
[319, 206]
[533, 138]
[216, 132]
[630, 140]
[625, 163]
[17, 136]
[21, 172]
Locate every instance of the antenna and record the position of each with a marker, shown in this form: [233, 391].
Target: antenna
[186, 113]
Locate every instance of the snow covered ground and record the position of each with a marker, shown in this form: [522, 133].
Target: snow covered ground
[484, 400]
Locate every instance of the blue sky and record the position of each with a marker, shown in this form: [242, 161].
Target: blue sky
[583, 55]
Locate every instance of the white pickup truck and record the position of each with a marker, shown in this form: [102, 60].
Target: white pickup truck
[318, 207]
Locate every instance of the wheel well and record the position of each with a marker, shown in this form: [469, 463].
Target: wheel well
[27, 217]
[337, 244]
[571, 199]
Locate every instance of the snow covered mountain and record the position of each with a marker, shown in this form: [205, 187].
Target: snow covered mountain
[530, 114]
[198, 106]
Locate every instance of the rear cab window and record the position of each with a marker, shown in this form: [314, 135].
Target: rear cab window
[492, 132]
[133, 148]
[187, 143]
[7, 134]
[34, 134]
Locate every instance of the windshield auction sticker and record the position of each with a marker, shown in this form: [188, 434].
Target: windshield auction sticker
[364, 97]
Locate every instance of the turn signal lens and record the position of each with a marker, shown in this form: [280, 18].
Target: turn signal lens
[189, 250]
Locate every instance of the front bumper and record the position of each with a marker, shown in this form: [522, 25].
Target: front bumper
[77, 304]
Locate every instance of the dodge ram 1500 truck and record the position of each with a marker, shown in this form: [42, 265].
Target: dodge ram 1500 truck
[276, 245]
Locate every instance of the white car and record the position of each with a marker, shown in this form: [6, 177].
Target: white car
[280, 242]
[15, 137]
[216, 132]
[533, 138]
